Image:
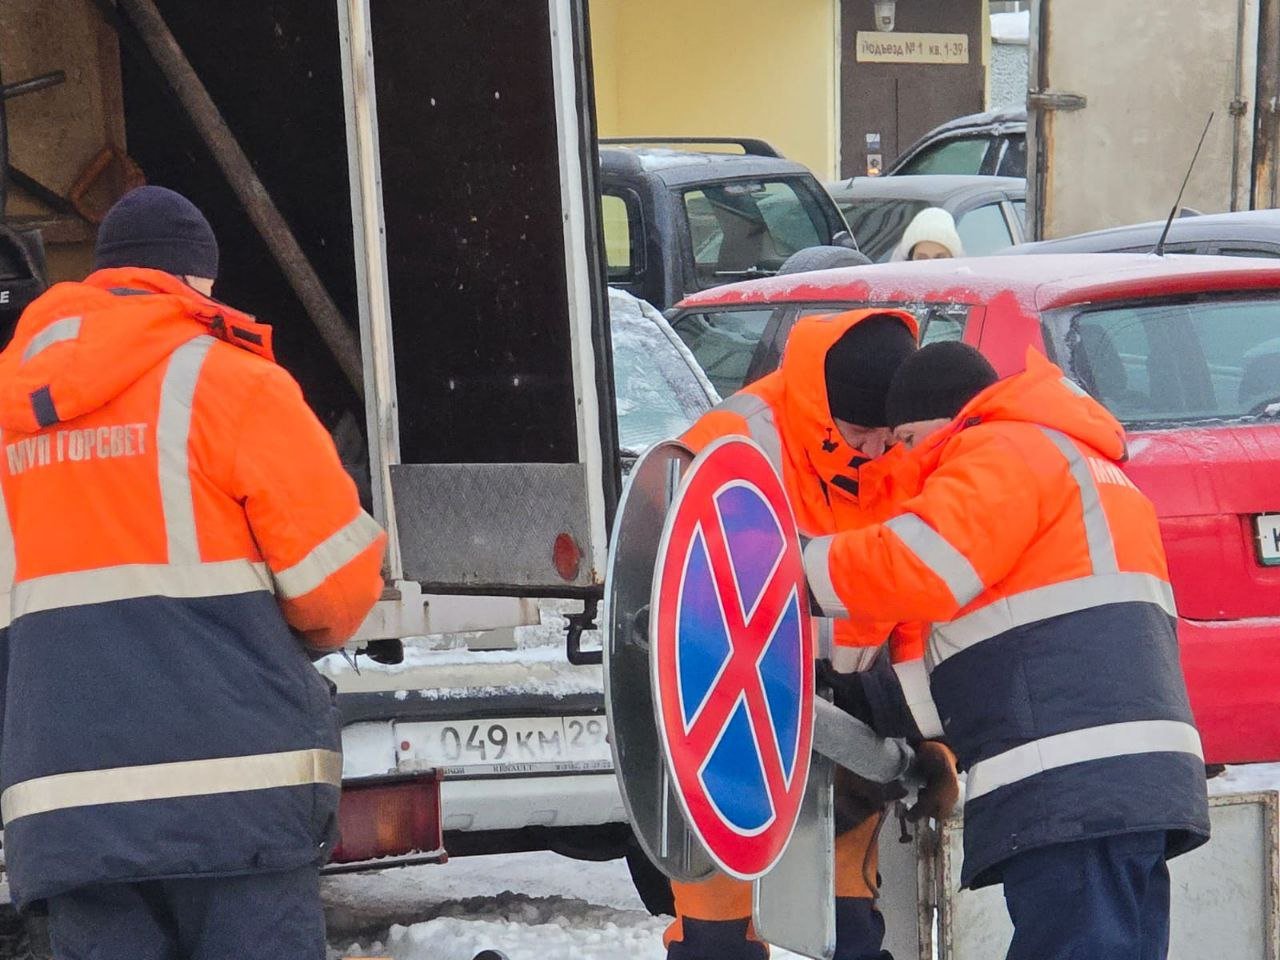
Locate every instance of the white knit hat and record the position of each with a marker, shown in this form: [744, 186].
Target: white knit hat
[931, 223]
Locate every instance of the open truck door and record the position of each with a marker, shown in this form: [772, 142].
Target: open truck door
[1119, 96]
[483, 310]
[422, 174]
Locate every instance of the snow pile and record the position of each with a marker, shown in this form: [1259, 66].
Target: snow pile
[531, 906]
[1011, 27]
[527, 932]
[527, 905]
[1247, 778]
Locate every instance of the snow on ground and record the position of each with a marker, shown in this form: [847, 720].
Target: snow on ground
[531, 906]
[1247, 778]
[534, 906]
[526, 660]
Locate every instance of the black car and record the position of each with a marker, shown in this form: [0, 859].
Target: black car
[988, 210]
[992, 144]
[677, 221]
[22, 276]
[1249, 233]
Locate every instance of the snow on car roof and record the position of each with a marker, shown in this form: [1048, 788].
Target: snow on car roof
[1043, 282]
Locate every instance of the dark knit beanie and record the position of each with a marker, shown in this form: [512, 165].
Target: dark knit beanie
[937, 382]
[860, 366]
[158, 229]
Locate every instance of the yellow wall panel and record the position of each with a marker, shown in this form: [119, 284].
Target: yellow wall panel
[759, 68]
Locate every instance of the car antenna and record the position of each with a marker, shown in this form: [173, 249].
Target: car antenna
[1177, 204]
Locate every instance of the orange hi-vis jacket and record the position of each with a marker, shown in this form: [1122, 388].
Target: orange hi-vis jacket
[1053, 657]
[182, 531]
[831, 487]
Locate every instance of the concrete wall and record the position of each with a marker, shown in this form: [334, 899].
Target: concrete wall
[720, 67]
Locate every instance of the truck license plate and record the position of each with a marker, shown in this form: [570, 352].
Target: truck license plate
[505, 746]
[1269, 539]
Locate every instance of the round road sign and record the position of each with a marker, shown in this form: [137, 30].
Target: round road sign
[732, 664]
[643, 778]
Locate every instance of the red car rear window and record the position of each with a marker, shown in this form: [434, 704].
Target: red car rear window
[1194, 362]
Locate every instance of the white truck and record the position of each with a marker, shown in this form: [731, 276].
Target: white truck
[408, 192]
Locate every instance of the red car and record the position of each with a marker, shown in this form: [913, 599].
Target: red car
[1185, 351]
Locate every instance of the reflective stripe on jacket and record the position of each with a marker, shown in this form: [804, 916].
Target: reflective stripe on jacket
[1053, 658]
[182, 529]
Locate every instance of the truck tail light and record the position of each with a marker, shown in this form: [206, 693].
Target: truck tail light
[385, 817]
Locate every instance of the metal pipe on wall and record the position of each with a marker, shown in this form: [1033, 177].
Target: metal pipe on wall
[1266, 138]
[253, 195]
[1238, 112]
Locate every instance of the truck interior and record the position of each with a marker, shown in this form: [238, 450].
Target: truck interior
[470, 158]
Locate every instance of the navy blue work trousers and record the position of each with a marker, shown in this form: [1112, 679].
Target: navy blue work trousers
[859, 936]
[1104, 899]
[265, 916]
[859, 930]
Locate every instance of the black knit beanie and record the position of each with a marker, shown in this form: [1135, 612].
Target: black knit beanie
[937, 382]
[860, 366]
[157, 229]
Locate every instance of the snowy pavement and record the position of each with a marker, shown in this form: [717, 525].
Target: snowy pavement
[527, 905]
[531, 906]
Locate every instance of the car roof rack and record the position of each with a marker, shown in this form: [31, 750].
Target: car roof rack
[751, 146]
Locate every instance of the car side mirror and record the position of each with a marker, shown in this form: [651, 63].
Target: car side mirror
[844, 239]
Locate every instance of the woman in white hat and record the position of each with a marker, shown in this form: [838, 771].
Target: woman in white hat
[931, 235]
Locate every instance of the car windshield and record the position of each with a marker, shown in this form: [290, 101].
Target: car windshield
[1180, 363]
[964, 155]
[878, 225]
[660, 391]
[727, 342]
[748, 229]
[724, 343]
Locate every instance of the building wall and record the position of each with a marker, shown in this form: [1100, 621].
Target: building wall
[605, 15]
[720, 68]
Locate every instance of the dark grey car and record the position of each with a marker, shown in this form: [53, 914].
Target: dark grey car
[992, 144]
[677, 221]
[1249, 233]
[988, 210]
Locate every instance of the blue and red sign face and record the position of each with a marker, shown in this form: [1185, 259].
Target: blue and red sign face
[733, 657]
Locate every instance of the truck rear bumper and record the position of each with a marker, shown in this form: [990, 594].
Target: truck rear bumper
[493, 803]
[378, 740]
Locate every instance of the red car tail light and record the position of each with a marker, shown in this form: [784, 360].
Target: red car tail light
[390, 817]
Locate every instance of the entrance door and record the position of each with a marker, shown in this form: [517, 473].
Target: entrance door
[897, 85]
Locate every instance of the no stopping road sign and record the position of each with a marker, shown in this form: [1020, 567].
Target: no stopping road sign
[732, 664]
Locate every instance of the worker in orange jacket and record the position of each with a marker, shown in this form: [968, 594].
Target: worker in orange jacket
[820, 418]
[184, 537]
[1053, 657]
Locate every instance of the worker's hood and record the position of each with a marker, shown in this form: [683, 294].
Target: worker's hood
[1044, 396]
[80, 345]
[804, 409]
